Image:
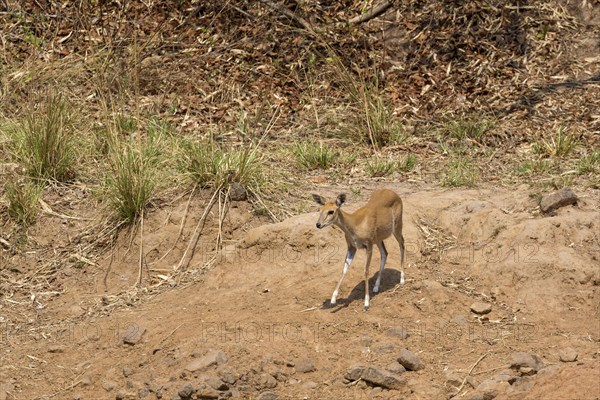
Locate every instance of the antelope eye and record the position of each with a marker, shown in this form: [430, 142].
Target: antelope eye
[330, 212]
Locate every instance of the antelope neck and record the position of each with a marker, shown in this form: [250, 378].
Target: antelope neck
[342, 221]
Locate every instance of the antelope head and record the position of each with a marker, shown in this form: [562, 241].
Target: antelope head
[329, 211]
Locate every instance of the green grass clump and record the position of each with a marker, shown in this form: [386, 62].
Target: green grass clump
[383, 166]
[408, 163]
[460, 172]
[468, 128]
[589, 164]
[534, 167]
[44, 143]
[23, 200]
[561, 145]
[312, 156]
[134, 173]
[213, 167]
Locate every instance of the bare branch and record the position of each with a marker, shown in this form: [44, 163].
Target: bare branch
[374, 12]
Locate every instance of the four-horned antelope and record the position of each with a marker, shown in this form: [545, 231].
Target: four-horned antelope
[369, 225]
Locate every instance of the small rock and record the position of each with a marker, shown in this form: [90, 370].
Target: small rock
[398, 331]
[306, 365]
[527, 371]
[505, 376]
[355, 372]
[555, 200]
[523, 382]
[525, 360]
[206, 392]
[383, 378]
[237, 192]
[108, 385]
[365, 340]
[216, 383]
[133, 334]
[85, 381]
[396, 368]
[310, 385]
[143, 392]
[453, 379]
[384, 348]
[549, 370]
[213, 357]
[127, 372]
[265, 381]
[568, 354]
[410, 361]
[228, 377]
[491, 388]
[481, 308]
[56, 349]
[375, 376]
[186, 391]
[267, 396]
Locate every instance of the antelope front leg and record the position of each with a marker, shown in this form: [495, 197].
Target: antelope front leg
[349, 257]
[369, 254]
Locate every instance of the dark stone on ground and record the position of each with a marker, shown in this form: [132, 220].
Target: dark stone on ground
[555, 200]
[410, 361]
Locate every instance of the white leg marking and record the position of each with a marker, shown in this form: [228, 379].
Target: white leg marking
[349, 258]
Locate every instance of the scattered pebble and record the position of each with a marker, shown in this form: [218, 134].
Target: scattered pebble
[267, 396]
[409, 360]
[213, 357]
[396, 368]
[526, 360]
[56, 349]
[133, 334]
[481, 308]
[384, 348]
[305, 365]
[109, 385]
[237, 192]
[568, 354]
[555, 200]
[186, 391]
[399, 332]
[375, 376]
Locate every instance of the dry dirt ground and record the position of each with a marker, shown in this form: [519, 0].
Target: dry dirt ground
[263, 303]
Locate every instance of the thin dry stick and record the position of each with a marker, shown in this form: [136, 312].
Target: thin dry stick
[196, 233]
[141, 262]
[170, 334]
[372, 13]
[469, 374]
[222, 212]
[187, 207]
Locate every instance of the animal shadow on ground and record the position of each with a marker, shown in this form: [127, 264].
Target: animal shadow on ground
[389, 280]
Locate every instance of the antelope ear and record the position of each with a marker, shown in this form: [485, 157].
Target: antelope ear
[318, 199]
[341, 199]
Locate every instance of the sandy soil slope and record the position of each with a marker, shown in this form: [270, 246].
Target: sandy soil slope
[263, 304]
